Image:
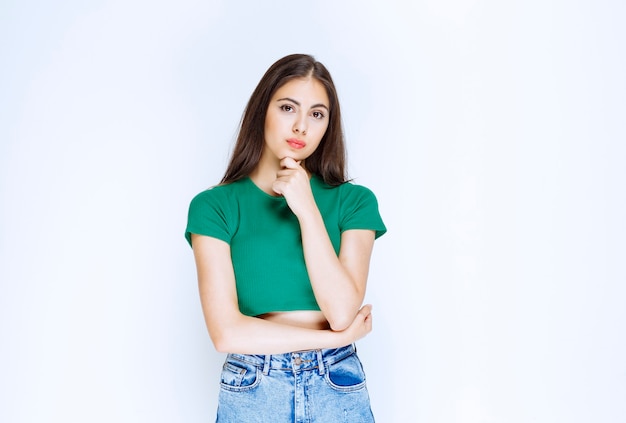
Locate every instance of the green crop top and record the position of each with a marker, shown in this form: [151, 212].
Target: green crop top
[265, 240]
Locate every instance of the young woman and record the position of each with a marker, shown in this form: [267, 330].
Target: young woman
[282, 248]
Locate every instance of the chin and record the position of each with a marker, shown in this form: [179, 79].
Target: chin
[296, 155]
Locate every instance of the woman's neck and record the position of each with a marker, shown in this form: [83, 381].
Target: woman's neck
[264, 175]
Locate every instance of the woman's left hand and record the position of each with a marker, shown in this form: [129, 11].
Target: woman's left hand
[292, 182]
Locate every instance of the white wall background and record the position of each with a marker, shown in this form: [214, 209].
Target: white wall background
[492, 132]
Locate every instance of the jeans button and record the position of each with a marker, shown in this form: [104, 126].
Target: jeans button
[298, 361]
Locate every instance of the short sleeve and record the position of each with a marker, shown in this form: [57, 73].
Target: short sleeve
[209, 215]
[360, 210]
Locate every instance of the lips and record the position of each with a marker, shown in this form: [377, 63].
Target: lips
[296, 143]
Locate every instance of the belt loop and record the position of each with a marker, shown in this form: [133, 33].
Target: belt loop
[320, 362]
[266, 365]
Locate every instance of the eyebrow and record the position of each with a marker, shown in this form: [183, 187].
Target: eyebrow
[297, 103]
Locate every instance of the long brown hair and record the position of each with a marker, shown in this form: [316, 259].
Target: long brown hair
[327, 161]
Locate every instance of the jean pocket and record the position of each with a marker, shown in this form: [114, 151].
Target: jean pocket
[239, 376]
[346, 375]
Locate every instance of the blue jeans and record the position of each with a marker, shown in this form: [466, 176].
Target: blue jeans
[321, 386]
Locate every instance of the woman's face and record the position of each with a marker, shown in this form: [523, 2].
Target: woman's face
[296, 120]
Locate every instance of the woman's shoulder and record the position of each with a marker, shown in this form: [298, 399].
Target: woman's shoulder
[214, 212]
[355, 191]
[221, 199]
[355, 205]
[219, 192]
[347, 194]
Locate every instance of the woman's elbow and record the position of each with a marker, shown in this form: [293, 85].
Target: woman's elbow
[222, 348]
[220, 343]
[341, 317]
[224, 342]
[340, 322]
[224, 337]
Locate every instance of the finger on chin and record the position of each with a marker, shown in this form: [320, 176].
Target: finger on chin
[289, 162]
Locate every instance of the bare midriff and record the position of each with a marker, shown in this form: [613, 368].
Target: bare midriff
[310, 319]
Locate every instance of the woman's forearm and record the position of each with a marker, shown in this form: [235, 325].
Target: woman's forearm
[338, 282]
[338, 292]
[251, 335]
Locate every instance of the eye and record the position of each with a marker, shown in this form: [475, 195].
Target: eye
[318, 115]
[287, 108]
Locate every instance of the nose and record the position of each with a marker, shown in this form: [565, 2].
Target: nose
[300, 125]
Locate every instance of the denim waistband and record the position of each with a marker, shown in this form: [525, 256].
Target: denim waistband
[296, 361]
